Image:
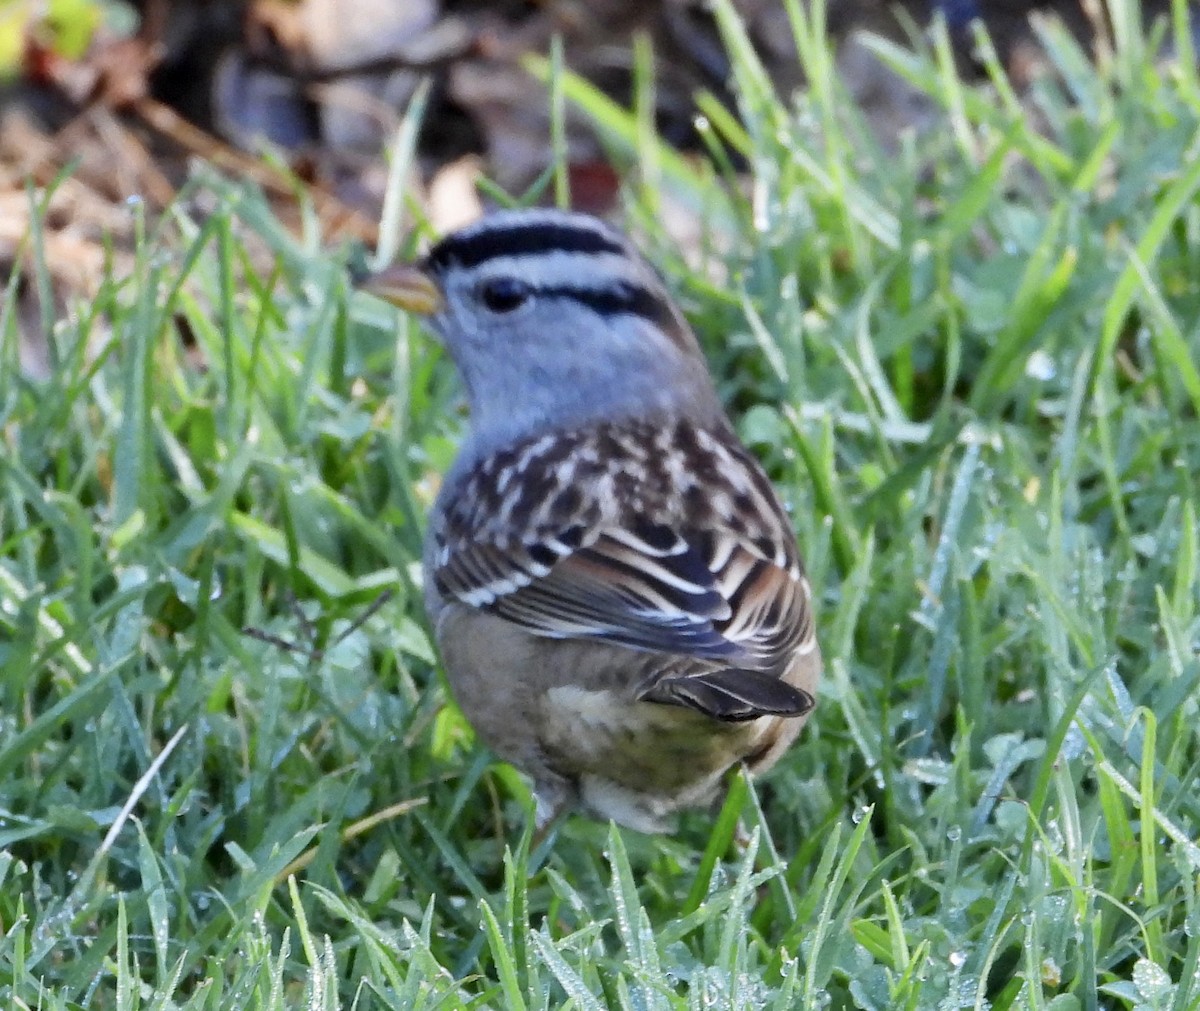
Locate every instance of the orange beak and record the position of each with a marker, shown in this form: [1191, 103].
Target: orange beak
[406, 286]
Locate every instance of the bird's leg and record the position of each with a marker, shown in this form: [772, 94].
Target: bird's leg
[543, 841]
[553, 799]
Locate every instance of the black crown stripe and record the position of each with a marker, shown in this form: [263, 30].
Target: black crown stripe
[476, 247]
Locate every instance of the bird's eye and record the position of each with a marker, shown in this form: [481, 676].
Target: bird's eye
[504, 294]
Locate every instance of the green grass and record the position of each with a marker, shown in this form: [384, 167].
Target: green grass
[970, 363]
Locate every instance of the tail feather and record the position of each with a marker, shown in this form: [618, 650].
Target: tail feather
[731, 695]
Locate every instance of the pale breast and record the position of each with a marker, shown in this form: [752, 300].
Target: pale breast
[640, 762]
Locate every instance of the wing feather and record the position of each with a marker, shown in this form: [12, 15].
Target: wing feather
[705, 573]
[709, 595]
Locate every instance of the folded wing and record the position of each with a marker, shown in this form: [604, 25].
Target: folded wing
[711, 595]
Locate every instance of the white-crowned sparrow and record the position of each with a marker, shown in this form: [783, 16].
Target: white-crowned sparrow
[613, 583]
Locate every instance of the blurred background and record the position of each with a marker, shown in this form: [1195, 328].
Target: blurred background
[306, 95]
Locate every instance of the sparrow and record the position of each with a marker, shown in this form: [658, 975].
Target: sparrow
[614, 586]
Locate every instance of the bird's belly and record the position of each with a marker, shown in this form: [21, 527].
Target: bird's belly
[566, 713]
[639, 762]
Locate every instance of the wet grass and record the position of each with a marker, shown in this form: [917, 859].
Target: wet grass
[970, 364]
